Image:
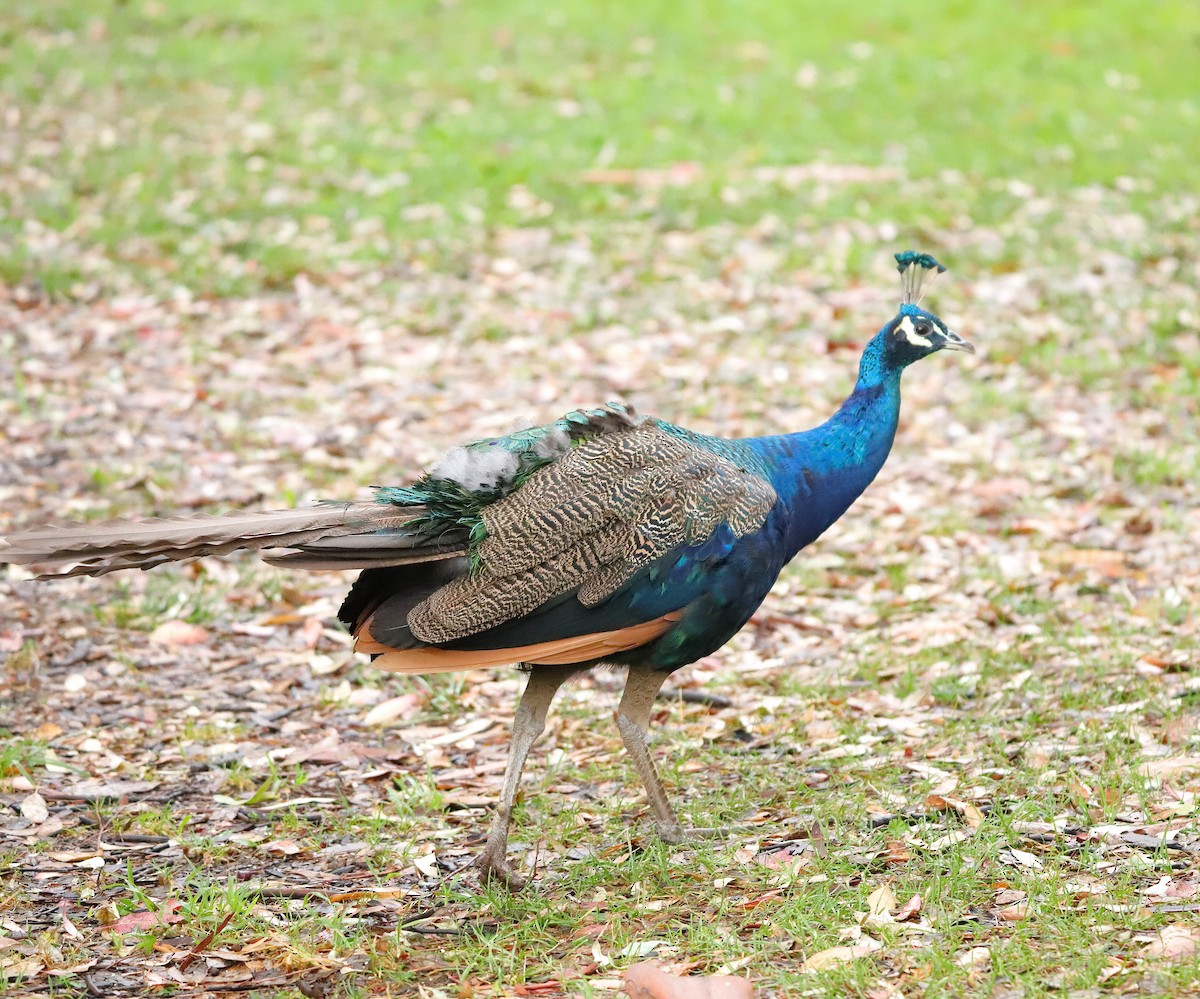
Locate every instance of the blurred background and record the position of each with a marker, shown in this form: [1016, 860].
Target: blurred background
[231, 146]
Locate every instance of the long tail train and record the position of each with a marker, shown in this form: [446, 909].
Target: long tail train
[326, 536]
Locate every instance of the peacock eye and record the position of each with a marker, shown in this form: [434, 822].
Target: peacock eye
[922, 328]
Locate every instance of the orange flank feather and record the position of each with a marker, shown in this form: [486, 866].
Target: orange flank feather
[561, 652]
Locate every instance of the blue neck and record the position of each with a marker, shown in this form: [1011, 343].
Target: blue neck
[819, 473]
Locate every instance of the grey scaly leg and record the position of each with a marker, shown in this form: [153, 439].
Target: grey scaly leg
[528, 724]
[633, 719]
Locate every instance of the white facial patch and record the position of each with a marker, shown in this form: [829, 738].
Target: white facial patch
[911, 335]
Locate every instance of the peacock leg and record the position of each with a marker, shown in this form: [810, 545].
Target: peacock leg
[633, 719]
[528, 724]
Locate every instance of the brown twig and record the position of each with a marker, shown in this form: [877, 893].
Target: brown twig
[117, 839]
[286, 891]
[246, 986]
[690, 696]
[183, 965]
[434, 931]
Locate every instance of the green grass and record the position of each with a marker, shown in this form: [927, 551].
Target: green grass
[717, 902]
[22, 756]
[774, 919]
[232, 145]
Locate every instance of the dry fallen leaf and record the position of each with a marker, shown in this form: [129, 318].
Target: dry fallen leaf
[1175, 943]
[69, 927]
[282, 847]
[790, 858]
[426, 863]
[1012, 905]
[112, 790]
[311, 632]
[833, 956]
[909, 910]
[647, 980]
[33, 808]
[73, 856]
[393, 709]
[970, 813]
[976, 958]
[881, 900]
[143, 919]
[1169, 765]
[957, 836]
[20, 967]
[880, 904]
[1020, 858]
[1172, 888]
[325, 665]
[179, 633]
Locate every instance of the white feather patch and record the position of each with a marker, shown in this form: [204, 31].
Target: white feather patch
[477, 468]
[554, 445]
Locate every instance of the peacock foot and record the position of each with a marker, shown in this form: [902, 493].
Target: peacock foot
[493, 867]
[677, 834]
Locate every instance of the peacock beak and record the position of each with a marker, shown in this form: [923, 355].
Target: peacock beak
[952, 341]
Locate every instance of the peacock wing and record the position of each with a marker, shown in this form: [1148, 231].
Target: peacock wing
[586, 523]
[446, 503]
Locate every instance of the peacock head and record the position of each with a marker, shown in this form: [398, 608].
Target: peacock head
[915, 333]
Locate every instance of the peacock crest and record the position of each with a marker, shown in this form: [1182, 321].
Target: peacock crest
[914, 268]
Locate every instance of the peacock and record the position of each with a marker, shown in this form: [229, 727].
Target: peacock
[605, 537]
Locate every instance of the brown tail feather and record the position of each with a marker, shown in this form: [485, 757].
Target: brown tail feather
[96, 549]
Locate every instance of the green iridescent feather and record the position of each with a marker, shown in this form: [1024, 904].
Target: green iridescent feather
[910, 258]
[449, 506]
